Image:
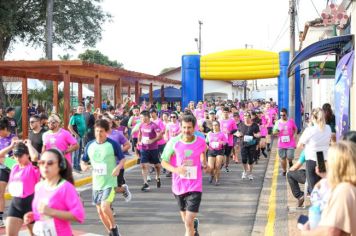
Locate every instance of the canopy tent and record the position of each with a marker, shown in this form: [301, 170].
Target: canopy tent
[74, 90]
[171, 94]
[15, 87]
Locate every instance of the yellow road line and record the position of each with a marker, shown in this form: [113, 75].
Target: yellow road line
[271, 214]
[86, 180]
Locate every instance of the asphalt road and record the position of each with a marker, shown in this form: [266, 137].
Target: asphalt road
[228, 209]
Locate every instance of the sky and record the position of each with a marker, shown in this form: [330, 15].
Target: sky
[150, 35]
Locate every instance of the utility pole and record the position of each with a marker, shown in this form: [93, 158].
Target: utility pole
[49, 29]
[245, 82]
[199, 47]
[292, 12]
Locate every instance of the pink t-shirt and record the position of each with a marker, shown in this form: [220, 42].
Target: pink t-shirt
[65, 198]
[271, 113]
[173, 130]
[226, 126]
[133, 123]
[22, 181]
[149, 131]
[162, 126]
[199, 114]
[216, 140]
[263, 127]
[61, 140]
[286, 133]
[179, 153]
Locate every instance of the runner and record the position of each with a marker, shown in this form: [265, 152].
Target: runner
[228, 127]
[134, 119]
[104, 154]
[172, 130]
[36, 133]
[272, 114]
[56, 202]
[10, 114]
[236, 148]
[264, 132]
[216, 141]
[6, 138]
[286, 130]
[57, 137]
[149, 134]
[248, 132]
[184, 156]
[23, 178]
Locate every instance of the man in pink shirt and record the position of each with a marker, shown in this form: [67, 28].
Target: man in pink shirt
[286, 130]
[184, 156]
[272, 113]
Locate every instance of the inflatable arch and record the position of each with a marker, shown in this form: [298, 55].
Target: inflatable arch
[243, 64]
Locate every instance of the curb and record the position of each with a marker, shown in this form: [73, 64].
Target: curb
[86, 180]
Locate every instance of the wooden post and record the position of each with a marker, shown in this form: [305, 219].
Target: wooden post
[151, 93]
[55, 97]
[140, 93]
[162, 93]
[129, 91]
[97, 92]
[80, 92]
[137, 96]
[66, 93]
[118, 96]
[24, 109]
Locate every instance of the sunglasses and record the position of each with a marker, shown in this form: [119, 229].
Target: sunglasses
[283, 115]
[49, 162]
[173, 117]
[52, 122]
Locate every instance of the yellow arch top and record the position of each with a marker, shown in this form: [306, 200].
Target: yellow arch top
[243, 64]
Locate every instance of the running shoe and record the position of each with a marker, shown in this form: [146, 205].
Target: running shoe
[126, 193]
[211, 179]
[148, 178]
[227, 169]
[196, 225]
[114, 231]
[250, 176]
[145, 187]
[284, 173]
[2, 224]
[164, 171]
[217, 183]
[169, 174]
[244, 176]
[300, 201]
[158, 182]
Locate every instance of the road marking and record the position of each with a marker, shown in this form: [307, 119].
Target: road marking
[271, 214]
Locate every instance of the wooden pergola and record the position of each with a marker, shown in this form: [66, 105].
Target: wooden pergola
[80, 72]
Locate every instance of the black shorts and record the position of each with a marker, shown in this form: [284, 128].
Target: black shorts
[214, 153]
[248, 154]
[4, 174]
[134, 143]
[121, 178]
[270, 129]
[150, 156]
[161, 148]
[189, 201]
[20, 206]
[228, 150]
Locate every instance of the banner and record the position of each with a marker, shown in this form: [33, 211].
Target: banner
[343, 77]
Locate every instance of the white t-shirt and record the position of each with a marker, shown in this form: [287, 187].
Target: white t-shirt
[315, 140]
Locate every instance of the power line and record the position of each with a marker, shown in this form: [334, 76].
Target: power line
[281, 33]
[315, 8]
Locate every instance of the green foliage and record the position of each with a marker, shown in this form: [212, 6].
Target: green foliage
[167, 69]
[95, 56]
[65, 57]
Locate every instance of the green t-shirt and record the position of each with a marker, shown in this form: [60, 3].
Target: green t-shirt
[78, 123]
[103, 157]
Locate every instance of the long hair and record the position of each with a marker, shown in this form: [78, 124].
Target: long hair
[319, 118]
[342, 163]
[65, 173]
[328, 112]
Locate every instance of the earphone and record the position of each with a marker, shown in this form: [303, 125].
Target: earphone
[62, 162]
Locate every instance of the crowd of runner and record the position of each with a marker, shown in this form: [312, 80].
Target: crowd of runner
[181, 143]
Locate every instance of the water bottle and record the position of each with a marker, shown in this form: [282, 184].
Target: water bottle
[314, 216]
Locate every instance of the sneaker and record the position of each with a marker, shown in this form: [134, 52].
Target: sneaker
[300, 201]
[227, 169]
[164, 171]
[217, 183]
[250, 176]
[169, 174]
[284, 173]
[145, 187]
[158, 182]
[115, 231]
[211, 179]
[148, 178]
[127, 194]
[2, 224]
[196, 225]
[244, 176]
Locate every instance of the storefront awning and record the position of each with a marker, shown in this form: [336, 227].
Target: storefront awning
[326, 46]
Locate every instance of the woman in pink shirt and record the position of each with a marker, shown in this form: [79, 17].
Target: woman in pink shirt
[216, 141]
[23, 178]
[56, 202]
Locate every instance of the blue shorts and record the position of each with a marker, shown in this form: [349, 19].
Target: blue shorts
[150, 156]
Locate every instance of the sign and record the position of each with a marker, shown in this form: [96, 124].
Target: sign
[343, 77]
[322, 69]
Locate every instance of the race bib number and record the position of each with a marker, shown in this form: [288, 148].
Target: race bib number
[16, 188]
[145, 140]
[44, 228]
[285, 139]
[215, 144]
[248, 138]
[191, 172]
[99, 169]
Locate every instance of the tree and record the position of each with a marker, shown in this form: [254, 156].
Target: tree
[95, 56]
[73, 22]
[65, 57]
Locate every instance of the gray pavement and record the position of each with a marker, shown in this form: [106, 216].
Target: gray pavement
[228, 209]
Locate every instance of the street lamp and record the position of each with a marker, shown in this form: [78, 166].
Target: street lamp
[198, 41]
